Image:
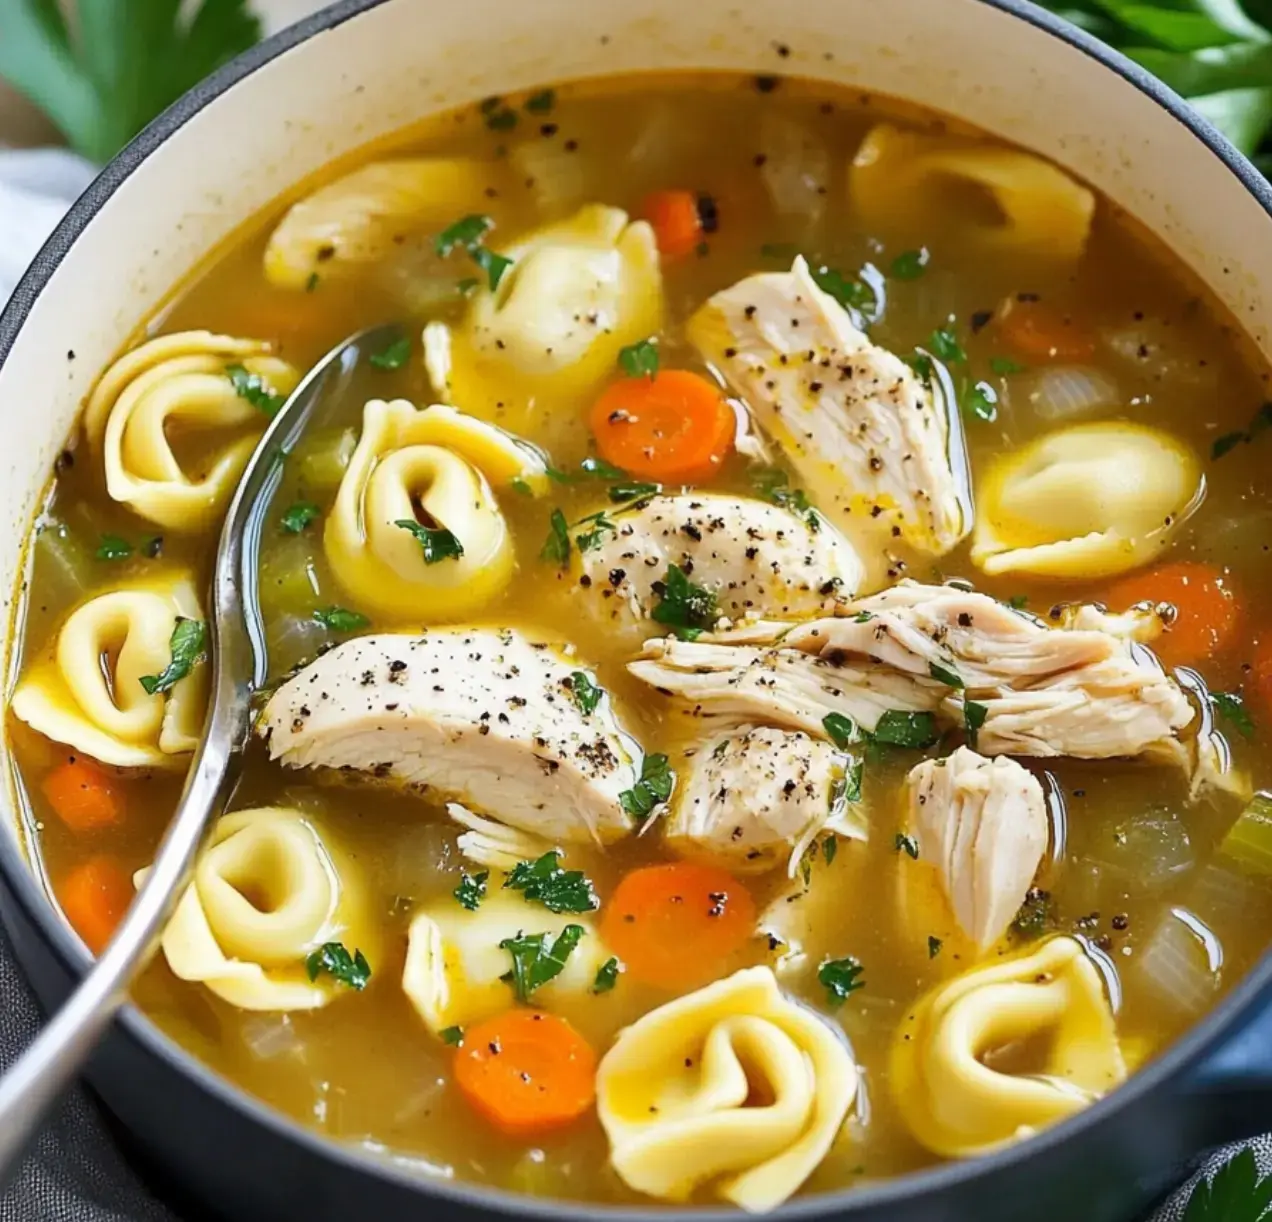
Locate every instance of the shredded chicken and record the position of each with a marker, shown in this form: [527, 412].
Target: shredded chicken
[983, 824]
[861, 428]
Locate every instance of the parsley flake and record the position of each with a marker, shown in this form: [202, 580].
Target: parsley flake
[945, 674]
[639, 360]
[340, 619]
[981, 402]
[901, 729]
[353, 971]
[188, 646]
[538, 958]
[909, 264]
[684, 607]
[974, 715]
[113, 547]
[841, 730]
[471, 890]
[654, 787]
[437, 543]
[607, 975]
[299, 517]
[542, 102]
[394, 355]
[906, 844]
[252, 387]
[934, 946]
[454, 1036]
[587, 695]
[840, 977]
[1004, 366]
[945, 346]
[557, 546]
[1231, 707]
[598, 526]
[544, 882]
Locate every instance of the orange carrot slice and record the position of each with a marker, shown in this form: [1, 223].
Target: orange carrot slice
[84, 795]
[1042, 333]
[676, 220]
[94, 897]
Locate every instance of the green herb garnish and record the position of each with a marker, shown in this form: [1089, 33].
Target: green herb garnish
[607, 976]
[454, 1036]
[394, 355]
[633, 492]
[639, 360]
[1261, 421]
[586, 693]
[901, 729]
[1018, 602]
[542, 102]
[909, 264]
[598, 527]
[1004, 366]
[686, 608]
[467, 233]
[341, 619]
[492, 264]
[945, 346]
[901, 843]
[945, 674]
[252, 387]
[830, 847]
[974, 715]
[113, 547]
[538, 958]
[353, 971]
[849, 786]
[471, 890]
[1034, 917]
[188, 645]
[840, 977]
[1231, 707]
[848, 292]
[841, 730]
[557, 546]
[980, 400]
[654, 787]
[437, 544]
[934, 946]
[299, 517]
[558, 890]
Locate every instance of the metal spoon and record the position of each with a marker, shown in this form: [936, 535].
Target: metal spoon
[240, 665]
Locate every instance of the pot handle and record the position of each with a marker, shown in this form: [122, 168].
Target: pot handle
[1230, 1093]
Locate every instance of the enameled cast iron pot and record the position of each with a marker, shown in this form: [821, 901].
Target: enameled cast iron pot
[363, 68]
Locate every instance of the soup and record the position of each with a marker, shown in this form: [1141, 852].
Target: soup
[767, 689]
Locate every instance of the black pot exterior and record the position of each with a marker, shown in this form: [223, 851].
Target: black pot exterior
[239, 1161]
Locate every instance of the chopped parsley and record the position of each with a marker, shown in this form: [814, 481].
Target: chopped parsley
[471, 890]
[469, 234]
[655, 785]
[945, 346]
[607, 975]
[1035, 915]
[353, 971]
[1004, 366]
[841, 730]
[840, 977]
[542, 102]
[1229, 441]
[901, 729]
[188, 646]
[499, 118]
[586, 693]
[1231, 707]
[980, 400]
[454, 1036]
[686, 608]
[1018, 602]
[974, 715]
[437, 544]
[252, 387]
[639, 360]
[544, 882]
[848, 292]
[847, 788]
[597, 468]
[538, 958]
[341, 619]
[394, 355]
[901, 843]
[520, 485]
[598, 526]
[557, 546]
[830, 847]
[921, 363]
[492, 264]
[909, 264]
[945, 674]
[113, 547]
[299, 517]
[633, 492]
[934, 946]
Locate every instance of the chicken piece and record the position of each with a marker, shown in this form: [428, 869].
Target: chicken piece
[1035, 690]
[754, 557]
[751, 797]
[983, 824]
[482, 716]
[862, 429]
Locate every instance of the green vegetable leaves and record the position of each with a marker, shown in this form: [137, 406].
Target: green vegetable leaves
[299, 517]
[469, 234]
[840, 977]
[773, 484]
[538, 958]
[1231, 707]
[1235, 1193]
[686, 608]
[586, 694]
[353, 971]
[909, 264]
[188, 645]
[841, 730]
[471, 890]
[655, 785]
[394, 356]
[607, 976]
[901, 843]
[437, 543]
[558, 890]
[454, 1036]
[945, 674]
[340, 619]
[944, 345]
[974, 715]
[557, 547]
[901, 729]
[253, 388]
[102, 75]
[639, 360]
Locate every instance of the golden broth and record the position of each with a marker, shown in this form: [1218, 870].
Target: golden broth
[1129, 844]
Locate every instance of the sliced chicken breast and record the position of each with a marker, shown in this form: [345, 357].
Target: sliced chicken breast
[753, 798]
[756, 558]
[983, 824]
[481, 716]
[862, 429]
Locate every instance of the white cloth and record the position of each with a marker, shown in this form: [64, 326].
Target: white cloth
[36, 188]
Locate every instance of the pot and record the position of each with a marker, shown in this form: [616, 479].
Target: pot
[360, 70]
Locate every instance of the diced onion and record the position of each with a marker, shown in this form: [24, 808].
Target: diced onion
[270, 1036]
[1063, 393]
[1177, 967]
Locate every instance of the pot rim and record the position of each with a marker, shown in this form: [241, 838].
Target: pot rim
[1240, 1003]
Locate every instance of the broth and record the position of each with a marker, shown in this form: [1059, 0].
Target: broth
[1128, 844]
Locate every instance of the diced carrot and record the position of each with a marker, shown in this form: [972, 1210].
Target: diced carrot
[526, 1071]
[677, 925]
[94, 896]
[1040, 332]
[1205, 605]
[677, 221]
[1259, 679]
[84, 795]
[674, 427]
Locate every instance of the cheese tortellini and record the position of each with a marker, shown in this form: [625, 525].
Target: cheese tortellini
[456, 970]
[86, 690]
[190, 383]
[734, 1085]
[356, 219]
[1006, 1049]
[414, 475]
[268, 891]
[576, 293]
[899, 184]
[1085, 502]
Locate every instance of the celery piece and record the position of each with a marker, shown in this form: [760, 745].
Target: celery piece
[289, 582]
[321, 461]
[1249, 840]
[65, 566]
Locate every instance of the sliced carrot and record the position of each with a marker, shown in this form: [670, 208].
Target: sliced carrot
[1259, 679]
[84, 795]
[1205, 606]
[674, 427]
[94, 897]
[677, 221]
[526, 1071]
[1040, 332]
[677, 925]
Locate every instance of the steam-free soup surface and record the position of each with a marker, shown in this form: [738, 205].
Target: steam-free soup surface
[1019, 337]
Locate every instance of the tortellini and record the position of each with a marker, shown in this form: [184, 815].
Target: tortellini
[268, 891]
[1085, 502]
[900, 183]
[356, 219]
[414, 474]
[1006, 1049]
[456, 970]
[576, 293]
[735, 1086]
[86, 690]
[193, 382]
